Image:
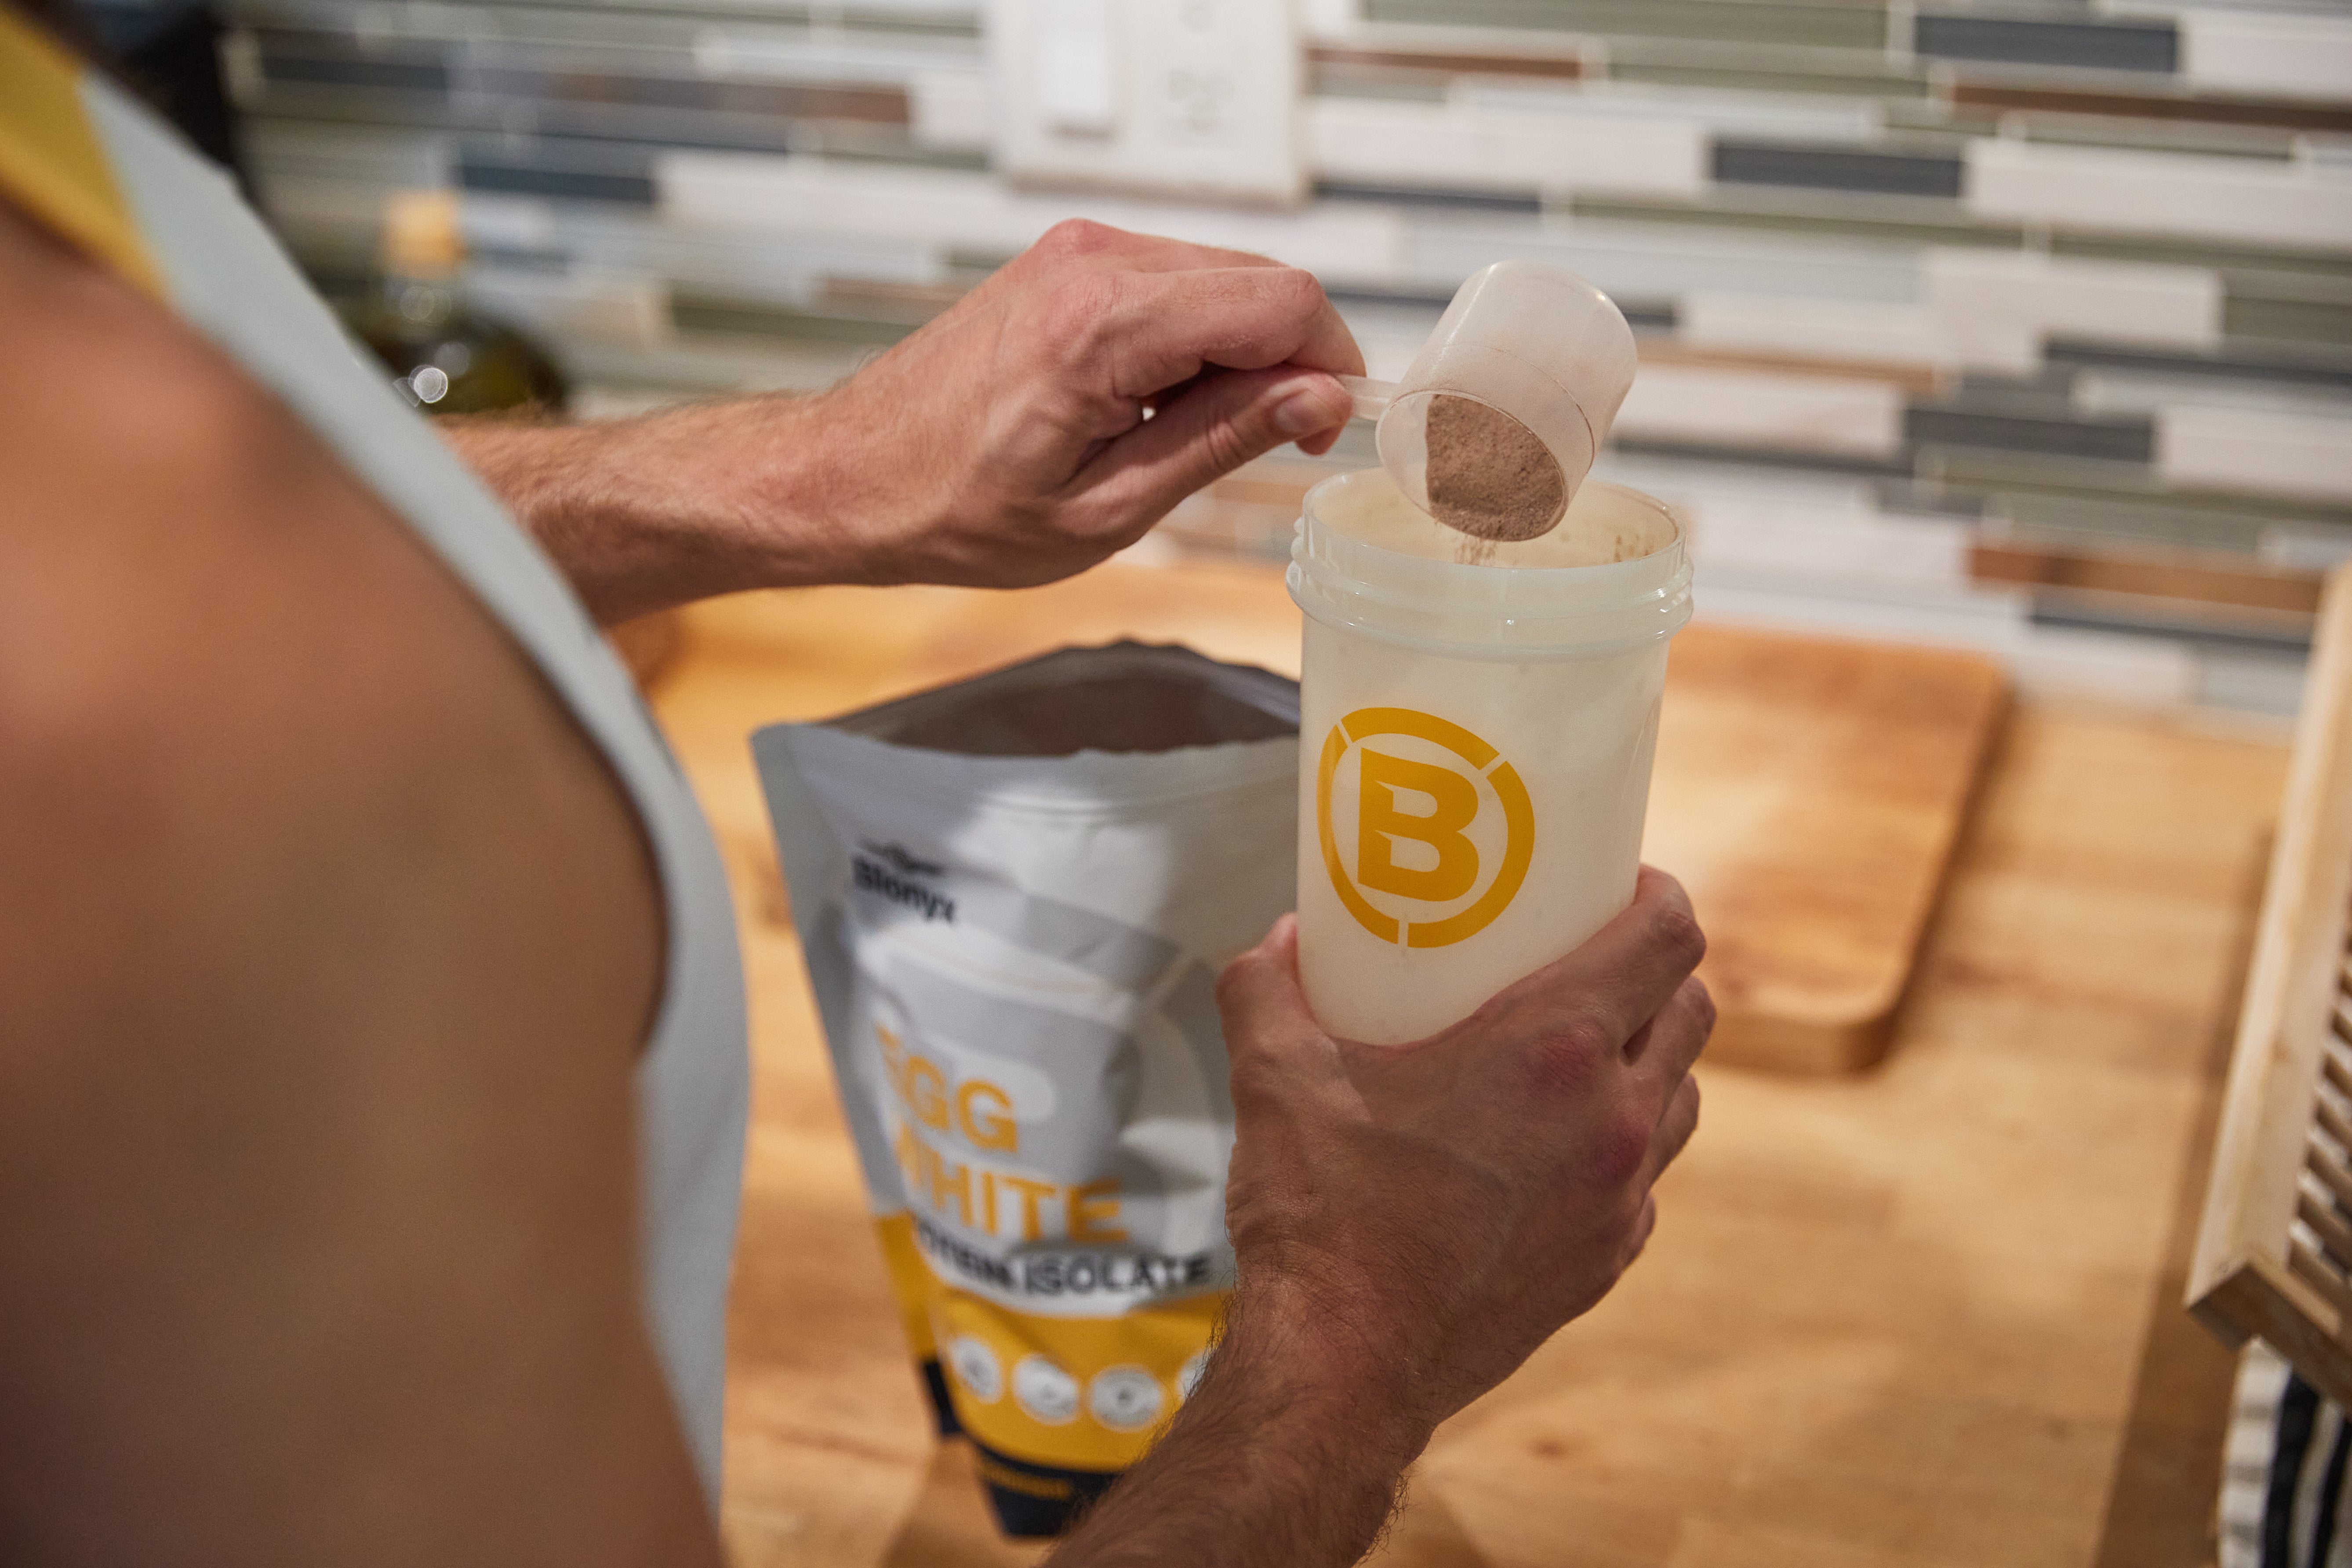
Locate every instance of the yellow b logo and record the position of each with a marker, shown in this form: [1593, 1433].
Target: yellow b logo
[1381, 823]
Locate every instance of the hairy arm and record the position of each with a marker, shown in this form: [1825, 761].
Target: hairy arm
[1042, 423]
[1286, 1456]
[1411, 1223]
[327, 950]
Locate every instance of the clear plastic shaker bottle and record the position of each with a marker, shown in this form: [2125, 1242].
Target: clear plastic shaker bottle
[1497, 422]
[1476, 739]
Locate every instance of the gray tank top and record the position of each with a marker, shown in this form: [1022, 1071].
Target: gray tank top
[78, 154]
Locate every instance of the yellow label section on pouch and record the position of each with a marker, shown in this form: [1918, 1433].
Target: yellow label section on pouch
[1086, 1393]
[1473, 842]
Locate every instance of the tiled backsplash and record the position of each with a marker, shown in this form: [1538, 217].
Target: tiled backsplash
[2025, 326]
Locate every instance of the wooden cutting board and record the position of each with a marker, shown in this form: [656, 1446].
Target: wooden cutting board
[1808, 792]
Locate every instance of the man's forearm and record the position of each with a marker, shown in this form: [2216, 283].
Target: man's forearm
[1286, 1457]
[643, 513]
[1038, 425]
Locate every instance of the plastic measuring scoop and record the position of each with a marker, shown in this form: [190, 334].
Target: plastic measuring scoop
[1497, 422]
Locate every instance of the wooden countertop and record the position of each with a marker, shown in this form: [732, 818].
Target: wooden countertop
[1927, 1316]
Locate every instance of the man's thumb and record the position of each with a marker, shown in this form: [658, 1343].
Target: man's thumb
[1258, 995]
[1217, 424]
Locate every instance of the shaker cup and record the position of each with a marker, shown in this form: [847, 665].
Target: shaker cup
[1475, 742]
[1495, 424]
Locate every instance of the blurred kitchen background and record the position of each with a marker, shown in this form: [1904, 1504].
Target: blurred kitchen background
[2025, 327]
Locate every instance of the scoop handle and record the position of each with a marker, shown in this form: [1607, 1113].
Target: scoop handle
[1372, 398]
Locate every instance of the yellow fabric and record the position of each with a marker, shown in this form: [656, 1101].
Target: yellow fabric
[51, 164]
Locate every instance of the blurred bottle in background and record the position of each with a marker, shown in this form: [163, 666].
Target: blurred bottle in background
[169, 51]
[446, 359]
[443, 357]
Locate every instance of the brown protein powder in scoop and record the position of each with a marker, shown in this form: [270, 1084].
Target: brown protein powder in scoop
[1488, 475]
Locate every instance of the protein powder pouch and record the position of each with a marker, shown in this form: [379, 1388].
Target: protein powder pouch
[1013, 895]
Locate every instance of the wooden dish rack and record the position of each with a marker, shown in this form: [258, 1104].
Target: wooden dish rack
[2274, 1250]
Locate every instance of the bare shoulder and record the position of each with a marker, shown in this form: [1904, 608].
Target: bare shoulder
[215, 645]
[328, 946]
[159, 502]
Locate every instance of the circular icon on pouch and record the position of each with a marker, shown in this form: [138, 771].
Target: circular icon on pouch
[1049, 1393]
[1125, 1398]
[977, 1368]
[1189, 1375]
[1471, 781]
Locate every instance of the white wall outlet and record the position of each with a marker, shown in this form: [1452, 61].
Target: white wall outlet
[1076, 58]
[1190, 98]
[1333, 18]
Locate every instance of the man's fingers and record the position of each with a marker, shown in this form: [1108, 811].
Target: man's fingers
[1139, 333]
[1259, 995]
[1215, 425]
[1080, 239]
[1665, 1047]
[1644, 1224]
[1651, 882]
[1674, 1129]
[1316, 446]
[1622, 977]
